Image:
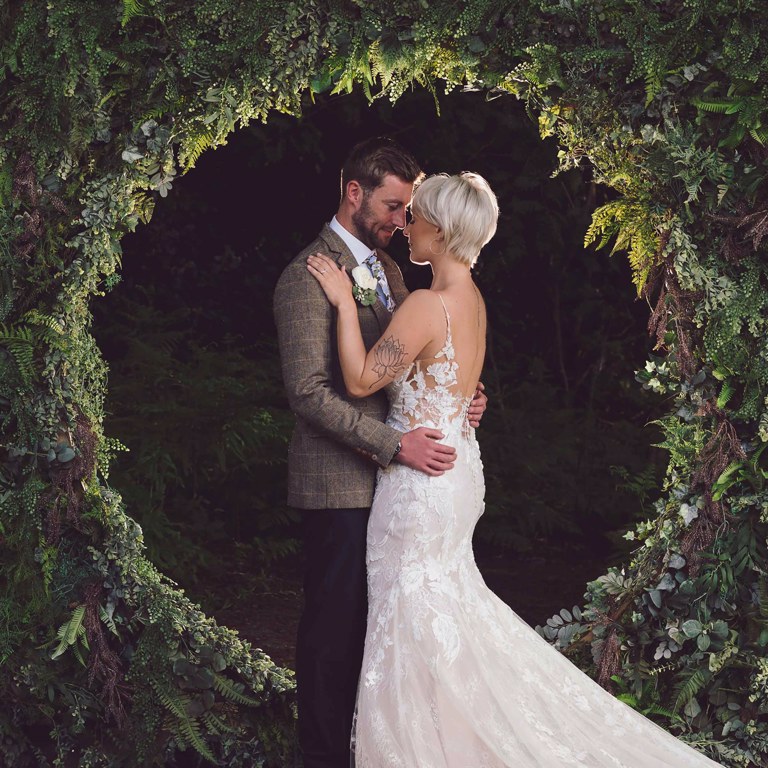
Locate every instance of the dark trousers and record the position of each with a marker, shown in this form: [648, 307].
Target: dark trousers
[329, 648]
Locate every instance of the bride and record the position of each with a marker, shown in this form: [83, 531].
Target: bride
[452, 677]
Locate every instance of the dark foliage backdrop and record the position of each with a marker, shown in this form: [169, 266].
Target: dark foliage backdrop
[103, 106]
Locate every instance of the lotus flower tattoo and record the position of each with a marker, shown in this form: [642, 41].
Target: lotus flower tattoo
[389, 356]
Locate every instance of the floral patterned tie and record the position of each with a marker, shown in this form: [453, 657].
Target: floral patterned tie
[382, 290]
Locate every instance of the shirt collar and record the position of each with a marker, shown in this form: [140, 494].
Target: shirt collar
[359, 250]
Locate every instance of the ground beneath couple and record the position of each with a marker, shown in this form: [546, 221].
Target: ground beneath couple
[266, 609]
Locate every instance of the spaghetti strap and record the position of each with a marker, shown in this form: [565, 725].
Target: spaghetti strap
[445, 309]
[447, 318]
[448, 337]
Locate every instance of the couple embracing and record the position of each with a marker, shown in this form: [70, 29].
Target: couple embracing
[405, 659]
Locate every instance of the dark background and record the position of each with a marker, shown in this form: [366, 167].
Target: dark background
[195, 389]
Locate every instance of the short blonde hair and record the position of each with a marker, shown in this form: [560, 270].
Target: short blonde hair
[463, 207]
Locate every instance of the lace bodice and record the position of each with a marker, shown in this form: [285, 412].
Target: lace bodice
[427, 394]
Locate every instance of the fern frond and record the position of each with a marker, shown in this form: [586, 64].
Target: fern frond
[689, 687]
[726, 393]
[108, 620]
[760, 135]
[718, 106]
[20, 344]
[185, 729]
[42, 321]
[657, 709]
[191, 730]
[653, 83]
[762, 596]
[215, 724]
[175, 703]
[632, 225]
[21, 339]
[194, 145]
[229, 690]
[131, 9]
[69, 631]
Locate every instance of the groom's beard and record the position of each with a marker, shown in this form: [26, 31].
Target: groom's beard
[368, 230]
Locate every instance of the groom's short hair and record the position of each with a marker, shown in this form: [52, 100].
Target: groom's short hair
[373, 159]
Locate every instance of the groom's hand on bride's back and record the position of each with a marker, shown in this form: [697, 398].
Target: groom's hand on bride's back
[420, 450]
[477, 406]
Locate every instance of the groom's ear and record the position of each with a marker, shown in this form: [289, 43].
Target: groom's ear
[354, 193]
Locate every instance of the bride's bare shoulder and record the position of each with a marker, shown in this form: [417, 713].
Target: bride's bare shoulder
[421, 300]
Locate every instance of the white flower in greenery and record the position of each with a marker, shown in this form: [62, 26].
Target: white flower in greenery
[363, 277]
[364, 288]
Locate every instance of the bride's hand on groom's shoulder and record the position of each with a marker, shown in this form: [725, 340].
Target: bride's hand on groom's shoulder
[477, 406]
[333, 279]
[420, 450]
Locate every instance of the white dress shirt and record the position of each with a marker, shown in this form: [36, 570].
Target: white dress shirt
[359, 249]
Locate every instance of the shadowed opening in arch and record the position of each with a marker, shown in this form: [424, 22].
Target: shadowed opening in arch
[195, 389]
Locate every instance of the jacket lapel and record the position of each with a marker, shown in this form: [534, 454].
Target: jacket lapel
[382, 314]
[337, 249]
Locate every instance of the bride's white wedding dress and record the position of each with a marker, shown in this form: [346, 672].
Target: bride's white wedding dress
[452, 677]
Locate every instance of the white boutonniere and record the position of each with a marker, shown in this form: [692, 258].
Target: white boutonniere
[364, 288]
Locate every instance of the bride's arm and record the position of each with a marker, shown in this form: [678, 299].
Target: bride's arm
[411, 329]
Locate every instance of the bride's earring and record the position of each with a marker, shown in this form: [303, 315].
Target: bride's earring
[433, 241]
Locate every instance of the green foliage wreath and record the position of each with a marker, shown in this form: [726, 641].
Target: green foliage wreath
[102, 104]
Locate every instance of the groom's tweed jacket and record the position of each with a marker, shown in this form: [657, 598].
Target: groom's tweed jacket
[338, 441]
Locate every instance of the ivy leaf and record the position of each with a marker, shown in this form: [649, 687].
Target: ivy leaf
[688, 512]
[676, 561]
[132, 154]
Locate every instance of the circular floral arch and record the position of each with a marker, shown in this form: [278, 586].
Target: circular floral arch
[102, 104]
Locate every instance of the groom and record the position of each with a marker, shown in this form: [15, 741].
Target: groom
[339, 442]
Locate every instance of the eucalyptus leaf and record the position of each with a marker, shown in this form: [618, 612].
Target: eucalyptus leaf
[692, 628]
[703, 642]
[692, 708]
[65, 454]
[720, 629]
